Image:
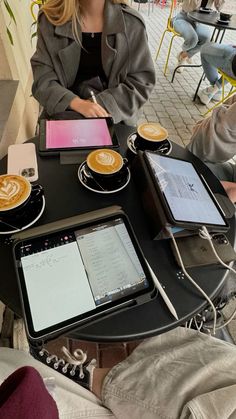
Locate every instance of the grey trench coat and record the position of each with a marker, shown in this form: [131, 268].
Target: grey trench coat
[126, 60]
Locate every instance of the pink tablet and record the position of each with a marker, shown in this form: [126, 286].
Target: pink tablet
[82, 133]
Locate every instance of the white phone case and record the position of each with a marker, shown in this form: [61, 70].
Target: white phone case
[22, 161]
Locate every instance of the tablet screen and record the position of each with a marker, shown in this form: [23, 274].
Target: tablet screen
[188, 197]
[78, 133]
[72, 273]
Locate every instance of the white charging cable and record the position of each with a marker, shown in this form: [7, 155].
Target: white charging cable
[192, 280]
[204, 234]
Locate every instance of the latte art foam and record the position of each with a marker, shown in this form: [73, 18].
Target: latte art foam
[152, 131]
[9, 189]
[14, 190]
[104, 161]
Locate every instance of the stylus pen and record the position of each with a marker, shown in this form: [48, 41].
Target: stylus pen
[93, 96]
[163, 293]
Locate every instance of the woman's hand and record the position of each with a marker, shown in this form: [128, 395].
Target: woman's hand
[230, 189]
[88, 109]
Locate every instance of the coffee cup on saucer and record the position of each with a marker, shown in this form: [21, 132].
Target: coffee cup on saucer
[225, 17]
[106, 166]
[150, 136]
[16, 192]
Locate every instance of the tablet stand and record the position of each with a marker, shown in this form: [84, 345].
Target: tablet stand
[73, 157]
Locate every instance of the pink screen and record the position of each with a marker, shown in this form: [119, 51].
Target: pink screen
[77, 133]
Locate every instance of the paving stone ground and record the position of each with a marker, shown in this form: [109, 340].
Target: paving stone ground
[172, 104]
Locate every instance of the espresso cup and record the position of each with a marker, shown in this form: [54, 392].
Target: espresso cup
[225, 16]
[150, 136]
[15, 194]
[106, 165]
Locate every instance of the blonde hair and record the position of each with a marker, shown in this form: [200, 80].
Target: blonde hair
[59, 12]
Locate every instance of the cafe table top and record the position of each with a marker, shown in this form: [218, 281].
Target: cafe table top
[211, 19]
[66, 197]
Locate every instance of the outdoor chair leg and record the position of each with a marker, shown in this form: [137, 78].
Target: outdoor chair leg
[221, 101]
[160, 45]
[168, 55]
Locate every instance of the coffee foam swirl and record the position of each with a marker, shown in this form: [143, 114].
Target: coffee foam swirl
[14, 191]
[9, 189]
[106, 159]
[152, 131]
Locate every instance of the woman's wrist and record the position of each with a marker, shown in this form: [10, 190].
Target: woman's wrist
[76, 103]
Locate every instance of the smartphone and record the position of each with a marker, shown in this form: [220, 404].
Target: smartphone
[22, 160]
[196, 251]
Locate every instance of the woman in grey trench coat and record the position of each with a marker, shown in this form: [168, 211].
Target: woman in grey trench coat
[79, 40]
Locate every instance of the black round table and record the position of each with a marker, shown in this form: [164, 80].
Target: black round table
[211, 19]
[66, 197]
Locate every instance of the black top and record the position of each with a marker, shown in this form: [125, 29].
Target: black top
[90, 60]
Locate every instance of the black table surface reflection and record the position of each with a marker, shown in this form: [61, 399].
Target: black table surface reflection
[66, 197]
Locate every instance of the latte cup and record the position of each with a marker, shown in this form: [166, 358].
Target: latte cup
[107, 166]
[15, 194]
[150, 136]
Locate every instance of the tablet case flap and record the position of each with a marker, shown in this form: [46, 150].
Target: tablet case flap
[68, 222]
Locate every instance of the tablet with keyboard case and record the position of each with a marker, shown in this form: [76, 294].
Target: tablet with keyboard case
[77, 270]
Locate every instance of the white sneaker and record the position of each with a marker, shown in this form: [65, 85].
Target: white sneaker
[207, 94]
[218, 96]
[182, 61]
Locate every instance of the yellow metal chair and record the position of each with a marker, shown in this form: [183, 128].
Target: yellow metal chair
[32, 6]
[171, 30]
[230, 80]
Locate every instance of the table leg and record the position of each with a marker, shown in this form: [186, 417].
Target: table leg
[198, 86]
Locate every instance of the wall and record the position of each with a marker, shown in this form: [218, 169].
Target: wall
[15, 65]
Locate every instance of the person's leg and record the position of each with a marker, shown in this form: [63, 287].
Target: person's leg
[72, 399]
[186, 31]
[204, 35]
[178, 374]
[214, 56]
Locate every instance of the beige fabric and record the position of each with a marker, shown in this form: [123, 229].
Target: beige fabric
[182, 374]
[191, 5]
[214, 138]
[178, 375]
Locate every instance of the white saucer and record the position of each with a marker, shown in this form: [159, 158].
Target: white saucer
[131, 145]
[91, 185]
[31, 221]
[223, 22]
